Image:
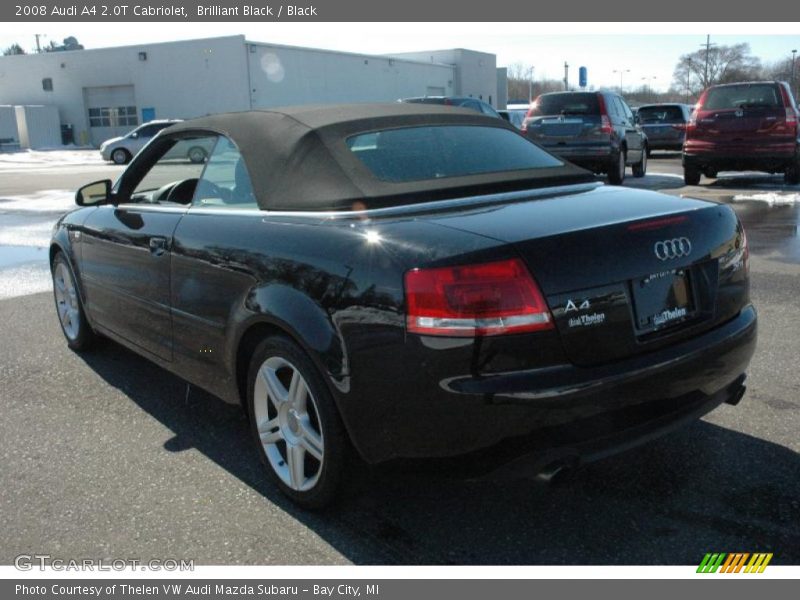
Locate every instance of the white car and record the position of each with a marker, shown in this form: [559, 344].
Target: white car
[120, 150]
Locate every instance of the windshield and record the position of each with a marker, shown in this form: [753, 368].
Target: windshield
[566, 104]
[434, 152]
[755, 95]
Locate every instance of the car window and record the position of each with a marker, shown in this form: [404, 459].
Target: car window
[581, 103]
[225, 182]
[435, 152]
[618, 109]
[181, 163]
[661, 114]
[626, 109]
[750, 95]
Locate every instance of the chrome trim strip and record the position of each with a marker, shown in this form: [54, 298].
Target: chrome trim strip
[418, 208]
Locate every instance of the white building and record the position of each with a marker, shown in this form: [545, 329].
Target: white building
[107, 91]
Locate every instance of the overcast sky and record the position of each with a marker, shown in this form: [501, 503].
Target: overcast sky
[638, 50]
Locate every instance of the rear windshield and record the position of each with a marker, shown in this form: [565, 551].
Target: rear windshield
[756, 95]
[435, 152]
[661, 114]
[566, 104]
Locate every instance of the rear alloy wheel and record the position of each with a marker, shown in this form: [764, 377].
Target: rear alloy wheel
[295, 424]
[691, 175]
[120, 156]
[640, 168]
[73, 321]
[616, 172]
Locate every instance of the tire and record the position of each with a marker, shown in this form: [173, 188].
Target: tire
[196, 155]
[649, 153]
[120, 156]
[791, 175]
[69, 308]
[296, 427]
[691, 175]
[640, 168]
[711, 174]
[616, 170]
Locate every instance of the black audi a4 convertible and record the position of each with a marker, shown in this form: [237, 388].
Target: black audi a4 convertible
[408, 281]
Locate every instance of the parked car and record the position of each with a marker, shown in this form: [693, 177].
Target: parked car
[664, 125]
[743, 127]
[120, 150]
[595, 130]
[465, 102]
[405, 280]
[515, 117]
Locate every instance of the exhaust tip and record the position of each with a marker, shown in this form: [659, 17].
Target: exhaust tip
[737, 396]
[557, 472]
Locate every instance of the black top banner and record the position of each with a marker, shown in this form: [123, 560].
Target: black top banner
[408, 10]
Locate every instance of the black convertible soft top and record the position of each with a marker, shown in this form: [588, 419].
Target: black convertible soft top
[299, 160]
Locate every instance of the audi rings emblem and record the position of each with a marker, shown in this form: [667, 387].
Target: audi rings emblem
[674, 248]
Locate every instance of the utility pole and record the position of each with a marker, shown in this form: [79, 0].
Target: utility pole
[38, 45]
[794, 89]
[707, 46]
[566, 76]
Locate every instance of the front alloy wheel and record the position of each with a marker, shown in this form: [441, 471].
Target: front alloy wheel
[120, 156]
[68, 306]
[640, 168]
[295, 424]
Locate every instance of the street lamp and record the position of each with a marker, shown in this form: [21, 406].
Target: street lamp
[648, 85]
[530, 85]
[621, 72]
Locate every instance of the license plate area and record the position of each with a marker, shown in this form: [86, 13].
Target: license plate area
[662, 300]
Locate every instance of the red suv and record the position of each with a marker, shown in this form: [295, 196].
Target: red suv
[743, 127]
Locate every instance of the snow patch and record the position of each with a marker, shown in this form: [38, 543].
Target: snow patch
[33, 159]
[44, 201]
[770, 198]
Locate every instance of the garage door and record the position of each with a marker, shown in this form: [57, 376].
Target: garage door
[111, 111]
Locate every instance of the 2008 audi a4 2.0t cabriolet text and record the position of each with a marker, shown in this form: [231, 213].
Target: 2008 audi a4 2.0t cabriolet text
[409, 281]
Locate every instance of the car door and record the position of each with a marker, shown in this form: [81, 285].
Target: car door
[634, 138]
[143, 135]
[127, 246]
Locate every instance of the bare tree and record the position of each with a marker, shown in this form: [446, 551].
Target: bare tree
[718, 64]
[13, 49]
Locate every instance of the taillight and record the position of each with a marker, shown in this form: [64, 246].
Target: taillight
[791, 119]
[475, 300]
[605, 122]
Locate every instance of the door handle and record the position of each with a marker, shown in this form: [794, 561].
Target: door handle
[158, 245]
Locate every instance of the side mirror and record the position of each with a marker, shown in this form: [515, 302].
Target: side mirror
[134, 135]
[92, 194]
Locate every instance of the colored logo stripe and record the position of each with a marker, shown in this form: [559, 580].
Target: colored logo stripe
[734, 562]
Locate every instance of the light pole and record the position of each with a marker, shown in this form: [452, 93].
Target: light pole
[530, 85]
[621, 72]
[648, 85]
[794, 89]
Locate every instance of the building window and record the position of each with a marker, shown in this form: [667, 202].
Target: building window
[47, 84]
[117, 116]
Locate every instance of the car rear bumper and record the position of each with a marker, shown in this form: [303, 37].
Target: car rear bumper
[739, 157]
[563, 409]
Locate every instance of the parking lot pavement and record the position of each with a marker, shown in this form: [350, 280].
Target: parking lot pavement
[106, 455]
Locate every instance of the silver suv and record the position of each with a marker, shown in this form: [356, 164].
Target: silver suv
[121, 149]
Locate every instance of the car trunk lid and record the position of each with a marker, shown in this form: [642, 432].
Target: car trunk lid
[623, 271]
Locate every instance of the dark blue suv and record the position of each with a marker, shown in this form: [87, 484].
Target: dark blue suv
[596, 130]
